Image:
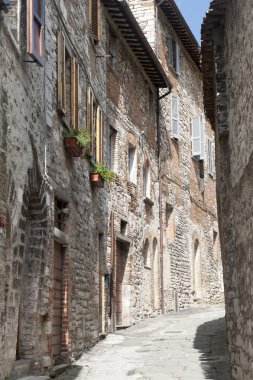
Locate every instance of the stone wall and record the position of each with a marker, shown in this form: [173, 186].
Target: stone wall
[233, 54]
[35, 172]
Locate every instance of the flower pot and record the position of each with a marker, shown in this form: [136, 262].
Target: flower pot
[74, 149]
[96, 179]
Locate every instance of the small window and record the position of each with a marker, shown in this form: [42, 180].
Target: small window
[112, 47]
[215, 245]
[112, 149]
[132, 164]
[201, 169]
[146, 180]
[94, 19]
[35, 35]
[123, 227]
[170, 222]
[61, 212]
[13, 17]
[174, 55]
[175, 116]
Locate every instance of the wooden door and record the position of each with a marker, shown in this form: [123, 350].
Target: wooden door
[57, 304]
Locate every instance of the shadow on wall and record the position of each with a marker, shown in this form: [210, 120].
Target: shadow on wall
[211, 341]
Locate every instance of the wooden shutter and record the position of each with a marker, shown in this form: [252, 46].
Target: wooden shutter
[61, 73]
[94, 19]
[35, 35]
[90, 119]
[196, 136]
[178, 67]
[175, 116]
[99, 135]
[74, 92]
[202, 137]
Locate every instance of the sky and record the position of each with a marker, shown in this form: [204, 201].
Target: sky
[193, 12]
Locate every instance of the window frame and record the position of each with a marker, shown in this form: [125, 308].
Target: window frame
[33, 18]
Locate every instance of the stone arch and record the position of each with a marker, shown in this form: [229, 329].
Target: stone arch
[29, 262]
[196, 269]
[156, 275]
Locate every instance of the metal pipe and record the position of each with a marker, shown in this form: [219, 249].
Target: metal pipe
[158, 98]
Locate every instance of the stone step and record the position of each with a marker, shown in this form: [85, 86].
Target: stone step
[58, 369]
[21, 368]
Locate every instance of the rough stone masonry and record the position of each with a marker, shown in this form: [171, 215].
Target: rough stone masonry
[78, 260]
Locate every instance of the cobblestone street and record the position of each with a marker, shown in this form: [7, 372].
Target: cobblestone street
[189, 345]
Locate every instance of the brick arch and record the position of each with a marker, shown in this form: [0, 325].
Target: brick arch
[29, 263]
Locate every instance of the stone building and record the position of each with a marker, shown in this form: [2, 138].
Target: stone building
[78, 260]
[187, 234]
[53, 219]
[227, 67]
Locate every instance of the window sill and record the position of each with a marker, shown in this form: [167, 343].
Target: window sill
[148, 202]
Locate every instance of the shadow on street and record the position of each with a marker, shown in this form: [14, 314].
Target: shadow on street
[211, 341]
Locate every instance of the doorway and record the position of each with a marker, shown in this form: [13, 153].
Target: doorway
[122, 304]
[57, 304]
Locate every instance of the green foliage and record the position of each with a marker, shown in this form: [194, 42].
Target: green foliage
[82, 136]
[106, 174]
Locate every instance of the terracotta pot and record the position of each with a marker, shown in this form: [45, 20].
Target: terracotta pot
[96, 179]
[74, 149]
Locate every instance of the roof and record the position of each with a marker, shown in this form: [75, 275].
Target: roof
[176, 19]
[121, 14]
[214, 18]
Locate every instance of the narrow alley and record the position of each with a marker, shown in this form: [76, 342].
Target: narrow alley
[187, 345]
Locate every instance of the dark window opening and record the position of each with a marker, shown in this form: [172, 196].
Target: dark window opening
[61, 212]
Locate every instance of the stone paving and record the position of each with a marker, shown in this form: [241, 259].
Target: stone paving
[189, 345]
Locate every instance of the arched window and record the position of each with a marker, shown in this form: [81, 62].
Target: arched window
[146, 179]
[146, 255]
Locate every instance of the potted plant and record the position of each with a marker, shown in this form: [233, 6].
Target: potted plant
[100, 173]
[76, 141]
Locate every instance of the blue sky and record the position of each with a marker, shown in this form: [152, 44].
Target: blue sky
[193, 12]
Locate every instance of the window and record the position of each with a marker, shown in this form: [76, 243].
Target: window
[112, 149]
[12, 18]
[198, 137]
[61, 212]
[175, 116]
[95, 126]
[123, 227]
[68, 84]
[112, 47]
[210, 156]
[94, 19]
[174, 55]
[4, 5]
[170, 222]
[146, 180]
[35, 24]
[132, 164]
[150, 104]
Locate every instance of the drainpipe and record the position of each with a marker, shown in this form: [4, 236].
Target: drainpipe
[158, 98]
